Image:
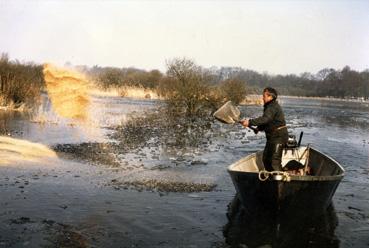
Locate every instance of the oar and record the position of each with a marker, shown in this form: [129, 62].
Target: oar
[230, 114]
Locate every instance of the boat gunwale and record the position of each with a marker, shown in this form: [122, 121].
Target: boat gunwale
[294, 177]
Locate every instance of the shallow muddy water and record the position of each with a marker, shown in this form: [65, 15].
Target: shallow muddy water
[162, 182]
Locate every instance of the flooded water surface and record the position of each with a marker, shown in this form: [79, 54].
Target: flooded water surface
[132, 175]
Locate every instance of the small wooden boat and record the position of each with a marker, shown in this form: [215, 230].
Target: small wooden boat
[310, 189]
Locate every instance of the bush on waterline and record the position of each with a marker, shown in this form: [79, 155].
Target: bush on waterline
[187, 89]
[20, 83]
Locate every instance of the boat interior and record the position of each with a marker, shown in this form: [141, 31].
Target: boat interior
[298, 161]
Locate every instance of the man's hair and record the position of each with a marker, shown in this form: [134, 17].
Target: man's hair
[271, 91]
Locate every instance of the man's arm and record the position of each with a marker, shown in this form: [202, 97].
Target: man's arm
[263, 120]
[261, 127]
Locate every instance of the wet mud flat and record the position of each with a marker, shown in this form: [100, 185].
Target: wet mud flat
[155, 182]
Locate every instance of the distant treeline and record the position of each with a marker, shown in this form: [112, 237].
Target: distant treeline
[345, 83]
[23, 82]
[108, 77]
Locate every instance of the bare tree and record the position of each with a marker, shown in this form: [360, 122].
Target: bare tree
[185, 86]
[234, 89]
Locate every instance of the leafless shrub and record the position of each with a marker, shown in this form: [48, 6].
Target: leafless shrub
[20, 83]
[234, 89]
[185, 87]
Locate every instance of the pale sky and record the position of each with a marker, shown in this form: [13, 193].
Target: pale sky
[273, 36]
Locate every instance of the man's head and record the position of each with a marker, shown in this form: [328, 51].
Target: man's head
[269, 94]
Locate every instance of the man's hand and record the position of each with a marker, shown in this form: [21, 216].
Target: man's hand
[245, 122]
[256, 131]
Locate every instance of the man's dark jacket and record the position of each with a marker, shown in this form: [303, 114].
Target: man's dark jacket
[272, 122]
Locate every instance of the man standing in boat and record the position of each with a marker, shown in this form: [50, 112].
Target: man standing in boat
[274, 125]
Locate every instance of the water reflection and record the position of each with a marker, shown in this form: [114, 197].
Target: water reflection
[5, 116]
[270, 230]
